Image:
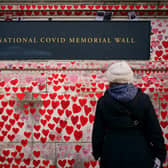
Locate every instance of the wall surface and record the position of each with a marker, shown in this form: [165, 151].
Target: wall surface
[47, 108]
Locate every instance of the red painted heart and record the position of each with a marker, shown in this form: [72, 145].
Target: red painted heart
[65, 104]
[3, 7]
[55, 104]
[63, 123]
[87, 109]
[165, 44]
[36, 135]
[69, 129]
[91, 118]
[164, 124]
[76, 6]
[62, 162]
[74, 119]
[14, 81]
[78, 135]
[36, 153]
[46, 103]
[83, 120]
[76, 108]
[52, 95]
[68, 113]
[164, 105]
[37, 127]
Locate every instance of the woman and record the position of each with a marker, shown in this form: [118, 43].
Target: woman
[126, 131]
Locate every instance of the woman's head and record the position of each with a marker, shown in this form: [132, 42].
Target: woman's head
[119, 73]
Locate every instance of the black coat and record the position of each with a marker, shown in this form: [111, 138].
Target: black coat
[116, 139]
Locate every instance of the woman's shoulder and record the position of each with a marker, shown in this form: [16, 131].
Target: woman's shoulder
[142, 96]
[105, 97]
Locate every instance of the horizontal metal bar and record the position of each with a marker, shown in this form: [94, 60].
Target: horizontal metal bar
[80, 69]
